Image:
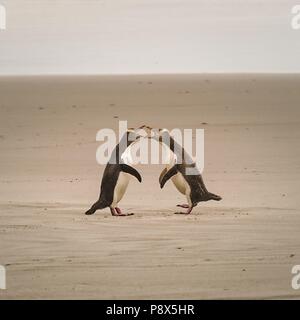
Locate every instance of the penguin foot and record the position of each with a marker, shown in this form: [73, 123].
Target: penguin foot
[124, 215]
[187, 212]
[116, 212]
[185, 206]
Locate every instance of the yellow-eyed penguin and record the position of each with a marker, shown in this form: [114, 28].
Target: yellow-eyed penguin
[192, 186]
[116, 177]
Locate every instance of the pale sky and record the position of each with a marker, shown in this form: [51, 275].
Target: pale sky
[148, 36]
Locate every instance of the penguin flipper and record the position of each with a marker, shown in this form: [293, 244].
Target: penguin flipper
[169, 174]
[128, 169]
[162, 174]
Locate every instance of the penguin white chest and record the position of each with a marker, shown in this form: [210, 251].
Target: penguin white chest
[180, 183]
[182, 186]
[120, 187]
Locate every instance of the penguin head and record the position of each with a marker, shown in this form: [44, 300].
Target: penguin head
[145, 131]
[161, 134]
[132, 136]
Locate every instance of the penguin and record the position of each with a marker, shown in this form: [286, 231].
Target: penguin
[116, 178]
[192, 186]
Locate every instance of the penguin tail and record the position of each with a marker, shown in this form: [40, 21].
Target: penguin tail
[213, 196]
[96, 206]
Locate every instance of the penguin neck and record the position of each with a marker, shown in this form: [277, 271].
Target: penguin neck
[118, 153]
[179, 151]
[120, 148]
[170, 155]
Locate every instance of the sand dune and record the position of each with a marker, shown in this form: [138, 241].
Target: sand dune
[241, 247]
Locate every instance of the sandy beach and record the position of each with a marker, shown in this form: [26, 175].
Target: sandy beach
[241, 247]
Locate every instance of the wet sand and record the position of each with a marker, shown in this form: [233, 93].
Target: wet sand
[241, 247]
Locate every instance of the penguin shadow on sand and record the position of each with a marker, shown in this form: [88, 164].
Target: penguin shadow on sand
[116, 177]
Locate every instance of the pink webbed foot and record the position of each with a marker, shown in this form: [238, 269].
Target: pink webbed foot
[118, 213]
[185, 206]
[187, 212]
[118, 210]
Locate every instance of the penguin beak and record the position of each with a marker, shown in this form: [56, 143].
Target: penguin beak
[148, 132]
[142, 131]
